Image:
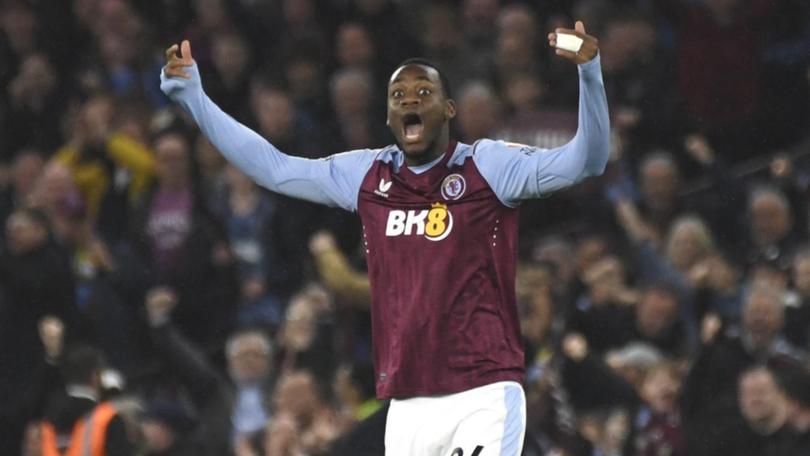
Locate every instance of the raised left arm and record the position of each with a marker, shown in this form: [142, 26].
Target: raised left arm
[518, 172]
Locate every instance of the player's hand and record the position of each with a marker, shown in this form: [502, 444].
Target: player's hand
[588, 50]
[180, 71]
[176, 65]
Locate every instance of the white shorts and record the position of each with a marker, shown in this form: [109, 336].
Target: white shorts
[486, 421]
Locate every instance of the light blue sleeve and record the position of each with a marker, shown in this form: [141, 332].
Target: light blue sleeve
[334, 180]
[517, 172]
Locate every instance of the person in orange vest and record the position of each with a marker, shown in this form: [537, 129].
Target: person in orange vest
[78, 423]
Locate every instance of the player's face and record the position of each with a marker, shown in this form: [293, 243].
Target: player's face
[418, 110]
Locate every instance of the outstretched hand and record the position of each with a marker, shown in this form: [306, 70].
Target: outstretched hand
[175, 64]
[180, 78]
[588, 50]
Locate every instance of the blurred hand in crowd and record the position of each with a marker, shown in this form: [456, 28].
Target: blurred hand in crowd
[710, 327]
[634, 225]
[698, 147]
[322, 241]
[299, 328]
[575, 346]
[160, 302]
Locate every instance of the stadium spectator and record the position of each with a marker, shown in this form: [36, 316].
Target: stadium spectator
[36, 280]
[794, 382]
[764, 410]
[166, 428]
[305, 342]
[249, 216]
[352, 96]
[79, 419]
[770, 228]
[175, 237]
[104, 160]
[230, 71]
[443, 42]
[24, 172]
[719, 363]
[298, 399]
[797, 312]
[34, 103]
[231, 409]
[478, 111]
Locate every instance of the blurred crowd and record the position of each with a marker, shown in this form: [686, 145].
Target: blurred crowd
[665, 306]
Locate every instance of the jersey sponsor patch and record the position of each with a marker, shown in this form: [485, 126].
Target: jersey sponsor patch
[434, 224]
[453, 187]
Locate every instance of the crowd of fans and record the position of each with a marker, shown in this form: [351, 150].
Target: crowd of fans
[665, 306]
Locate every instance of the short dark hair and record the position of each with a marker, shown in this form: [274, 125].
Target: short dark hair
[81, 363]
[794, 379]
[425, 62]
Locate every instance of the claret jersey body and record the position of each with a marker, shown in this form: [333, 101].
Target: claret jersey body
[441, 253]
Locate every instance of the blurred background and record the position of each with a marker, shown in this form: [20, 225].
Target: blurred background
[665, 305]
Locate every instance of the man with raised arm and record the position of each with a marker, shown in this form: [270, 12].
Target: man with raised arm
[440, 232]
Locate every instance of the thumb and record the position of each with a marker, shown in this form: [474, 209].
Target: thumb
[579, 27]
[185, 52]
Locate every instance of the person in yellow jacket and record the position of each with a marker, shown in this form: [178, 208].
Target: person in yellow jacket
[98, 155]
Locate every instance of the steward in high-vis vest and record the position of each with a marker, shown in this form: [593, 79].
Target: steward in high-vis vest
[77, 424]
[88, 437]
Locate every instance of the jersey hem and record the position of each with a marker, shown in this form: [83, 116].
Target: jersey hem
[517, 377]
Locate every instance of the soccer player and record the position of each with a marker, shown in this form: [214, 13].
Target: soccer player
[440, 232]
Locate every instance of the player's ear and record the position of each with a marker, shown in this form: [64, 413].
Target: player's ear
[449, 109]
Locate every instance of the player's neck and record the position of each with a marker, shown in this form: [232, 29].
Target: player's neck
[436, 150]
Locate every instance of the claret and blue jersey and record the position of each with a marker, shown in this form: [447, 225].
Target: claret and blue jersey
[440, 239]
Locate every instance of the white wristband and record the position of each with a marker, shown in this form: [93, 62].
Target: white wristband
[568, 42]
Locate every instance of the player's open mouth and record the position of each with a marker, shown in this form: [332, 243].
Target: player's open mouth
[412, 127]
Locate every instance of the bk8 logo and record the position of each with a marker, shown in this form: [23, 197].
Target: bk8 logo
[435, 224]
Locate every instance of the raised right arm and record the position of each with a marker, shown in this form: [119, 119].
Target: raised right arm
[334, 181]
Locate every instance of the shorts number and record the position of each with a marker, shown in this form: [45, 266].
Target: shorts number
[460, 452]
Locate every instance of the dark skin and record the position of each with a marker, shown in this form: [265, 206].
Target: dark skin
[417, 101]
[416, 90]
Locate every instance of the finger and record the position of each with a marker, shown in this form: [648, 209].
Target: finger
[185, 52]
[176, 72]
[579, 27]
[171, 53]
[566, 54]
[565, 30]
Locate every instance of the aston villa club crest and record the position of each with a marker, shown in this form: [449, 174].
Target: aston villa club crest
[453, 187]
